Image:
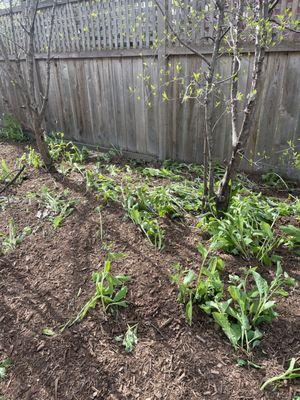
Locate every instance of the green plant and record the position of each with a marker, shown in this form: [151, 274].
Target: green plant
[60, 149]
[293, 235]
[5, 172]
[246, 229]
[188, 195]
[102, 184]
[13, 239]
[275, 180]
[138, 213]
[160, 173]
[250, 303]
[197, 289]
[292, 372]
[12, 129]
[31, 158]
[56, 207]
[4, 365]
[130, 339]
[179, 168]
[158, 200]
[110, 291]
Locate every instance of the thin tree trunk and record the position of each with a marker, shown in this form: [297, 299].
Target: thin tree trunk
[208, 104]
[223, 195]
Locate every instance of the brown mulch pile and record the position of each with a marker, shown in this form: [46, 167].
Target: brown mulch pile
[47, 279]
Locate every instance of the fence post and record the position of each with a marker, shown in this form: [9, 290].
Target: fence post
[162, 66]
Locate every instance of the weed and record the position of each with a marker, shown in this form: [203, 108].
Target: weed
[179, 168]
[31, 158]
[12, 130]
[102, 184]
[158, 200]
[13, 239]
[246, 229]
[62, 150]
[249, 305]
[130, 339]
[48, 332]
[199, 288]
[293, 235]
[110, 155]
[188, 195]
[5, 172]
[56, 207]
[293, 372]
[4, 365]
[110, 291]
[138, 213]
[160, 173]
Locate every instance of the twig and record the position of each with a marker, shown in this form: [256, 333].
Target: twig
[13, 180]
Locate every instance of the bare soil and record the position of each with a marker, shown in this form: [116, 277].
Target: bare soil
[47, 279]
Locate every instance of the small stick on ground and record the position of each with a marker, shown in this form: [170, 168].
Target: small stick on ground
[13, 180]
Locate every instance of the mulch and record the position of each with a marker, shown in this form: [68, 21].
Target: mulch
[47, 279]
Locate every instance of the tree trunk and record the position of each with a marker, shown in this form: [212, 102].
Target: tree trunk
[209, 178]
[238, 150]
[42, 147]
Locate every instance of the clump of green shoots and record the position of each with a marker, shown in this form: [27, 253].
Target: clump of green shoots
[251, 302]
[143, 218]
[105, 186]
[129, 339]
[5, 172]
[251, 298]
[293, 237]
[67, 151]
[56, 207]
[11, 240]
[246, 229]
[31, 158]
[197, 289]
[110, 291]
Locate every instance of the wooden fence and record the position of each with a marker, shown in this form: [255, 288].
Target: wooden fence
[105, 55]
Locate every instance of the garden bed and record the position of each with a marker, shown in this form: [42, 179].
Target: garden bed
[46, 280]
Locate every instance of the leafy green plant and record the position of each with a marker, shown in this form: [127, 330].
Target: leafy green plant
[188, 195]
[130, 339]
[246, 229]
[293, 372]
[60, 149]
[5, 172]
[250, 303]
[11, 240]
[160, 173]
[138, 213]
[56, 207]
[4, 365]
[293, 235]
[31, 158]
[110, 291]
[179, 168]
[12, 129]
[158, 200]
[102, 184]
[197, 289]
